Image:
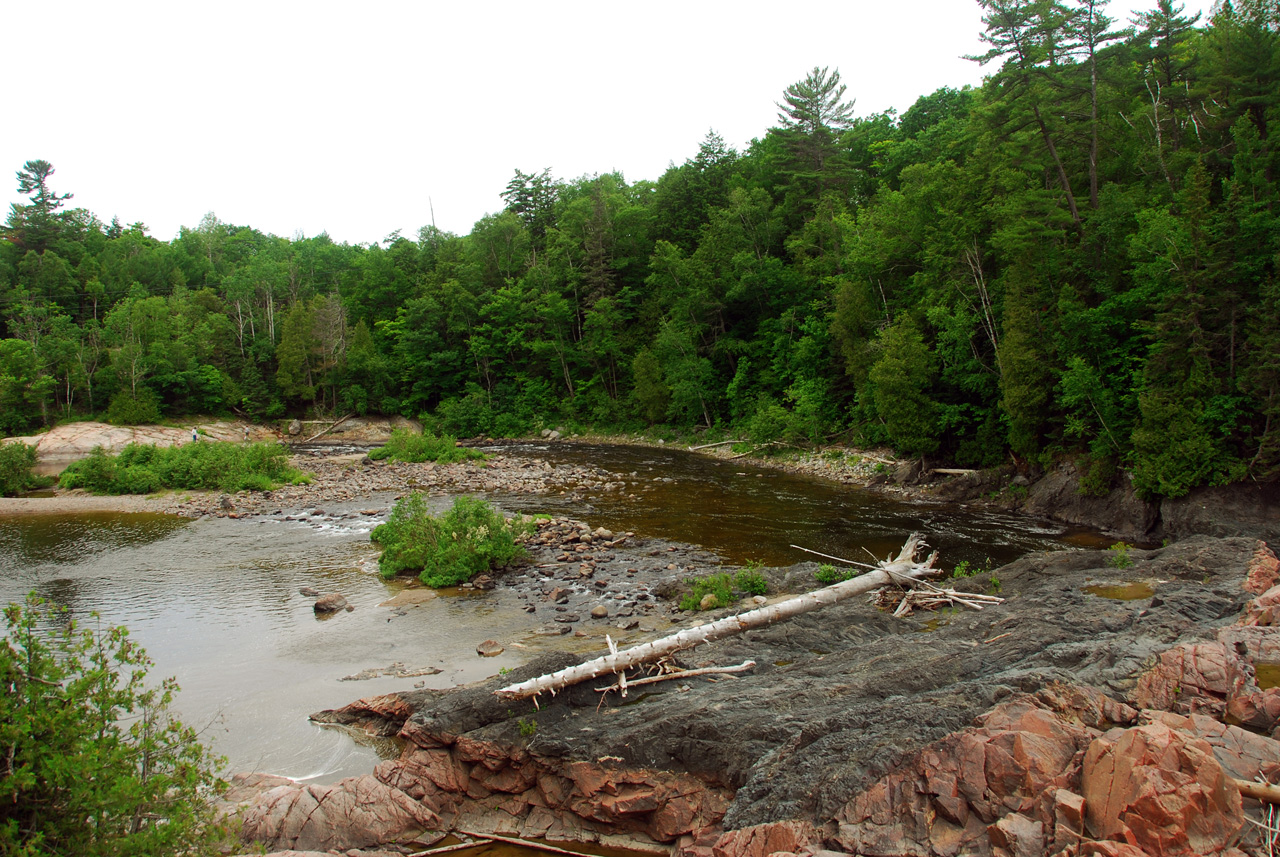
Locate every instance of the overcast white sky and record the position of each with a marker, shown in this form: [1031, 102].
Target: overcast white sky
[305, 117]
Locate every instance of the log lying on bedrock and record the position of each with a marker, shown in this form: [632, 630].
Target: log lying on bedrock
[903, 568]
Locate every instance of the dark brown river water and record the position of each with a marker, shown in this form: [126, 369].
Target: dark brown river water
[216, 602]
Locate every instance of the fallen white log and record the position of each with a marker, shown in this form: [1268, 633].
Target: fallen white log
[903, 567]
[709, 445]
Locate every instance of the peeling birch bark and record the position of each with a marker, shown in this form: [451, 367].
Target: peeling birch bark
[903, 568]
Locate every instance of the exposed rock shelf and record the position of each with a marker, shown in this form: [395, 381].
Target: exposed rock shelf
[1000, 732]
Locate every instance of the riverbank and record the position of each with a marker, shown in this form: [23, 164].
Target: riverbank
[1242, 509]
[1091, 707]
[857, 731]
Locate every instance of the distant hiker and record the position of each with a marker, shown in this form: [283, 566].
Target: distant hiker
[195, 434]
[246, 434]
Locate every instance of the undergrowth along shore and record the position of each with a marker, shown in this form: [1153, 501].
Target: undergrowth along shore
[147, 468]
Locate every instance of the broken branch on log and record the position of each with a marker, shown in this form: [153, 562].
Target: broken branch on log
[653, 679]
[903, 566]
[1259, 791]
[836, 558]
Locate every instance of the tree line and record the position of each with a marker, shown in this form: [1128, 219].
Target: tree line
[1076, 258]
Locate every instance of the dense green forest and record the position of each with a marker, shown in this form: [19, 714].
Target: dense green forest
[1078, 258]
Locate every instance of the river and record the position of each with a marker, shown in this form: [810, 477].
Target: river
[216, 601]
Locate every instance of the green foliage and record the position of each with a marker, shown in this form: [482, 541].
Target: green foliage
[1078, 257]
[528, 728]
[964, 568]
[828, 574]
[95, 762]
[466, 540]
[751, 581]
[23, 388]
[718, 585]
[901, 378]
[145, 468]
[17, 463]
[1120, 555]
[404, 445]
[134, 409]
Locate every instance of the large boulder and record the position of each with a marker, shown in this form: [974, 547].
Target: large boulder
[357, 812]
[1015, 761]
[1160, 790]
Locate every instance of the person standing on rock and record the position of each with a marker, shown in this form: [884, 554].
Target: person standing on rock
[246, 434]
[195, 433]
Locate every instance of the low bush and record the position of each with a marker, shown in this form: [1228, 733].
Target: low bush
[725, 587]
[409, 446]
[828, 574]
[469, 538]
[751, 581]
[145, 468]
[17, 461]
[719, 585]
[95, 764]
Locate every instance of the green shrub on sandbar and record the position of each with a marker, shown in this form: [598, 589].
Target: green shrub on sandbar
[407, 446]
[145, 468]
[469, 538]
[17, 461]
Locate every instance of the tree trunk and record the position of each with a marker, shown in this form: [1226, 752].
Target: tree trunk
[904, 567]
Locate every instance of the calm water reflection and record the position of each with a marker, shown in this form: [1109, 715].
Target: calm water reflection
[750, 513]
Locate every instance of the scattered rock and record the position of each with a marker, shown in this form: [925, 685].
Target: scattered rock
[309, 592]
[295, 428]
[600, 612]
[331, 603]
[489, 649]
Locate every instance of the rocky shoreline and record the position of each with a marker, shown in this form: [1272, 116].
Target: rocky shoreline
[1073, 719]
[1107, 707]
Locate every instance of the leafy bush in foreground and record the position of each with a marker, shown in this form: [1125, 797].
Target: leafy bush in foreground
[16, 463]
[407, 446]
[94, 763]
[144, 468]
[466, 540]
[723, 586]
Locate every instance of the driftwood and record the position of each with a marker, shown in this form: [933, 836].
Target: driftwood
[330, 428]
[483, 839]
[709, 445]
[902, 568]
[654, 679]
[953, 471]
[930, 597]
[1259, 791]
